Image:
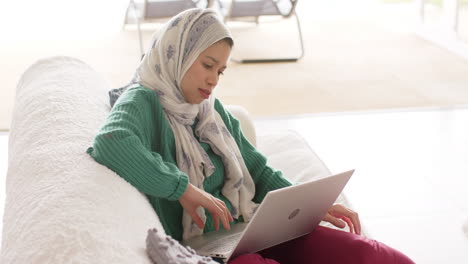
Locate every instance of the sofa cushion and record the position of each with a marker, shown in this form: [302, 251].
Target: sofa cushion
[290, 153]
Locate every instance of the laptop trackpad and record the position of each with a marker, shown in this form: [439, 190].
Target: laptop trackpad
[217, 243]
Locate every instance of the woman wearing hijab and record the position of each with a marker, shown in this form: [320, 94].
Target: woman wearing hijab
[168, 136]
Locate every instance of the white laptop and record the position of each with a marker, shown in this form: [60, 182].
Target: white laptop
[283, 215]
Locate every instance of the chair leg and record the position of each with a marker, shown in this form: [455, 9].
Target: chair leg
[125, 22]
[140, 38]
[137, 18]
[299, 30]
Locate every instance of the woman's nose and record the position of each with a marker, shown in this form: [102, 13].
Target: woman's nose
[213, 80]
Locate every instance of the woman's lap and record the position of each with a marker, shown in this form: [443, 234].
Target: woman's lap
[252, 259]
[326, 245]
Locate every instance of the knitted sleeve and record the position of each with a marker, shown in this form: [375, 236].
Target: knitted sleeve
[123, 145]
[266, 178]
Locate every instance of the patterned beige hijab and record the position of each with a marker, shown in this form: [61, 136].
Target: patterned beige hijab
[173, 51]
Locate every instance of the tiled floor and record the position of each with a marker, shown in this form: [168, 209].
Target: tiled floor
[411, 173]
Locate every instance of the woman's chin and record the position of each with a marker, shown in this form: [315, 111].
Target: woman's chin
[196, 101]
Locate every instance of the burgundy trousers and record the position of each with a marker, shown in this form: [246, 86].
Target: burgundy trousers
[325, 245]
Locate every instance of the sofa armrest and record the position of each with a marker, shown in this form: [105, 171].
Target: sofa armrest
[246, 123]
[62, 206]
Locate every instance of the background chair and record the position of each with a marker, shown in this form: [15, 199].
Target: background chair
[154, 10]
[241, 9]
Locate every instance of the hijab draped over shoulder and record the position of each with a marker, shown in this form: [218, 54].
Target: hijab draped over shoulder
[173, 50]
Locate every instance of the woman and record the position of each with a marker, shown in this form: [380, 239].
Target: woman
[171, 139]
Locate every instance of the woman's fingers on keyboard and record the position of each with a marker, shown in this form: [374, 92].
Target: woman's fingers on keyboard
[220, 213]
[226, 215]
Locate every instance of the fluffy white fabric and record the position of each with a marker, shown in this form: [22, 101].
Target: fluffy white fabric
[61, 205]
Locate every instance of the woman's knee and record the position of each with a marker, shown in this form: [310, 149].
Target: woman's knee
[371, 251]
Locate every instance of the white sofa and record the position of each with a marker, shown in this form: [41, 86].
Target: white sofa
[62, 206]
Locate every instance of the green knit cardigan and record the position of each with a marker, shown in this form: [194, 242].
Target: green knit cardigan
[137, 142]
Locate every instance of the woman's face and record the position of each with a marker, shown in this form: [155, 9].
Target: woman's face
[202, 77]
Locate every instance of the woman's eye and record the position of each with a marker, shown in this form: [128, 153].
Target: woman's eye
[210, 67]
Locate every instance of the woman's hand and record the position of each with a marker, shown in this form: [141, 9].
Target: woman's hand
[193, 198]
[339, 216]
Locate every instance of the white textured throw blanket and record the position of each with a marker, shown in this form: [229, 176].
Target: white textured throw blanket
[62, 206]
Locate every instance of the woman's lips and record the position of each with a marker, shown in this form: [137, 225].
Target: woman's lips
[205, 94]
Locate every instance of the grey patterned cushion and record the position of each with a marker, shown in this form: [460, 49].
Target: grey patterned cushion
[114, 94]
